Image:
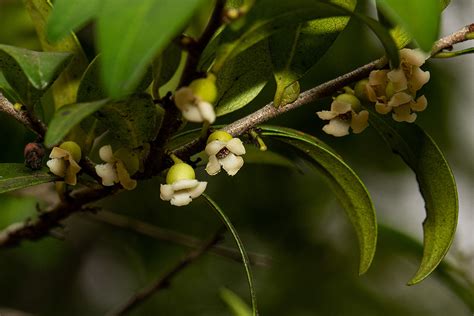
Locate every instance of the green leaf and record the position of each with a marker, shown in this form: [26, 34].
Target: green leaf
[347, 186]
[165, 66]
[295, 50]
[69, 15]
[235, 303]
[132, 121]
[14, 176]
[421, 18]
[67, 117]
[31, 73]
[268, 17]
[65, 88]
[7, 90]
[436, 182]
[243, 78]
[150, 26]
[242, 250]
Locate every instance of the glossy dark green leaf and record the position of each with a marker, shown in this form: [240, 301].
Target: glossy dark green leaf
[235, 303]
[268, 17]
[132, 33]
[67, 117]
[242, 250]
[7, 90]
[132, 121]
[436, 182]
[31, 73]
[243, 78]
[295, 50]
[65, 87]
[421, 18]
[69, 15]
[165, 66]
[14, 176]
[347, 186]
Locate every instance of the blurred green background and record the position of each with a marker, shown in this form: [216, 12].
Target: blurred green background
[288, 214]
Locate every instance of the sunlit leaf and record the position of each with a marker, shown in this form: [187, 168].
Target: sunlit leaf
[242, 250]
[65, 88]
[347, 186]
[421, 18]
[436, 183]
[295, 50]
[31, 73]
[67, 117]
[69, 15]
[149, 26]
[15, 176]
[243, 78]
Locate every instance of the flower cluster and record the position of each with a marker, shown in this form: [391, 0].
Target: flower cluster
[345, 113]
[195, 101]
[117, 168]
[395, 90]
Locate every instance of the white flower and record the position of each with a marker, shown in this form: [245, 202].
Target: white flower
[224, 151]
[114, 170]
[63, 162]
[193, 108]
[181, 187]
[343, 116]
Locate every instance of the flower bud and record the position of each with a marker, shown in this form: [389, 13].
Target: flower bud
[205, 88]
[73, 148]
[180, 171]
[360, 89]
[351, 99]
[220, 136]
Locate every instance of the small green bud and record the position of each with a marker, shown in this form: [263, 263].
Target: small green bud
[361, 90]
[180, 171]
[351, 99]
[205, 88]
[73, 148]
[129, 159]
[389, 90]
[219, 135]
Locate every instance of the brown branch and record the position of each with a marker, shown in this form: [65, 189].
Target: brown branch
[171, 236]
[447, 42]
[164, 281]
[24, 117]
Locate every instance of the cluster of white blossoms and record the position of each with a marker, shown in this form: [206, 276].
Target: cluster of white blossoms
[195, 101]
[117, 168]
[64, 161]
[393, 91]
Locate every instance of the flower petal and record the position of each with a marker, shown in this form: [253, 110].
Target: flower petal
[359, 121]
[232, 164]
[382, 108]
[403, 114]
[166, 192]
[183, 97]
[337, 127]
[326, 115]
[57, 166]
[340, 107]
[191, 113]
[184, 184]
[207, 111]
[412, 57]
[371, 95]
[124, 177]
[106, 153]
[181, 199]
[214, 147]
[198, 190]
[399, 98]
[213, 166]
[58, 153]
[418, 79]
[398, 79]
[378, 77]
[71, 171]
[420, 104]
[108, 174]
[236, 146]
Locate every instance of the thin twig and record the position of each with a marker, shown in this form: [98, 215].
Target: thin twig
[171, 236]
[447, 42]
[24, 117]
[164, 281]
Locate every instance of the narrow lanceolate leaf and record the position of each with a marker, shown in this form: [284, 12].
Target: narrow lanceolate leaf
[235, 303]
[65, 88]
[243, 78]
[347, 186]
[67, 117]
[15, 176]
[240, 245]
[31, 73]
[436, 183]
[132, 121]
[127, 51]
[165, 66]
[420, 18]
[69, 15]
[268, 17]
[295, 50]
